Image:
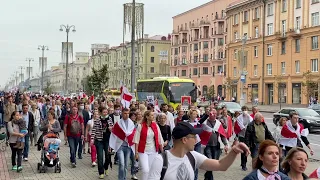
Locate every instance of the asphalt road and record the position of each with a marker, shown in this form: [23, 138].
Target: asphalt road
[313, 138]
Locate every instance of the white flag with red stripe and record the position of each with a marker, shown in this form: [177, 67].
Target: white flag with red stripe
[126, 97]
[315, 174]
[289, 135]
[207, 131]
[238, 126]
[121, 133]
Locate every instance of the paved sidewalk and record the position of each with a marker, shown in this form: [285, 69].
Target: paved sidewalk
[276, 107]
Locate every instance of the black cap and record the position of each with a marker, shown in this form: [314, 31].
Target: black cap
[182, 129]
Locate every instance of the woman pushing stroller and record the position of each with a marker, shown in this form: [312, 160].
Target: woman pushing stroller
[51, 128]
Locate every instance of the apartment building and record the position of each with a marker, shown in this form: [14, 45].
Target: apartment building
[280, 45]
[198, 48]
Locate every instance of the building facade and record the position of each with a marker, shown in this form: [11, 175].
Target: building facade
[78, 70]
[58, 75]
[198, 48]
[151, 60]
[281, 45]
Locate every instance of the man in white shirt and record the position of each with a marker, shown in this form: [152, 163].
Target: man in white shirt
[179, 165]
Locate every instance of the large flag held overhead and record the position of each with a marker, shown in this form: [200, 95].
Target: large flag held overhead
[126, 96]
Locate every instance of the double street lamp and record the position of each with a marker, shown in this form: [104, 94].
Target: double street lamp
[42, 48]
[67, 28]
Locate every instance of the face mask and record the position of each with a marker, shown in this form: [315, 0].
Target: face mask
[81, 107]
[245, 112]
[117, 111]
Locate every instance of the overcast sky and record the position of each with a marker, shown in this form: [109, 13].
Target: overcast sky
[25, 24]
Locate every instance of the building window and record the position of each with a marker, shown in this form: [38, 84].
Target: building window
[255, 70]
[235, 35]
[256, 30]
[298, 20]
[297, 65]
[220, 55]
[283, 47]
[235, 19]
[184, 61]
[205, 58]
[256, 13]
[269, 50]
[220, 42]
[205, 70]
[298, 3]
[195, 71]
[314, 1]
[284, 27]
[152, 59]
[234, 71]
[184, 73]
[297, 45]
[270, 9]
[175, 73]
[195, 59]
[255, 50]
[220, 69]
[314, 65]
[205, 45]
[315, 19]
[235, 54]
[270, 29]
[283, 67]
[269, 69]
[152, 48]
[195, 47]
[151, 69]
[284, 5]
[314, 42]
[245, 16]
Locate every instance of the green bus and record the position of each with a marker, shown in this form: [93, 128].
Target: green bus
[166, 90]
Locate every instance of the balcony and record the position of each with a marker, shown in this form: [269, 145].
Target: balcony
[296, 33]
[281, 36]
[194, 26]
[183, 30]
[218, 18]
[183, 41]
[205, 23]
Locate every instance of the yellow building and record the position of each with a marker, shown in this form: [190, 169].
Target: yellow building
[151, 61]
[281, 45]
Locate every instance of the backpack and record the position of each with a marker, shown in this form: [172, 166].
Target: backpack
[75, 127]
[165, 163]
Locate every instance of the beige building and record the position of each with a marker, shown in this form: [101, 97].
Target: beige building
[78, 70]
[198, 48]
[282, 44]
[151, 60]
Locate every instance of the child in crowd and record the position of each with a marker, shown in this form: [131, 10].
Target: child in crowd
[23, 130]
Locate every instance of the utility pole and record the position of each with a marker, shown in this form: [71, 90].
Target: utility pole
[21, 68]
[29, 68]
[242, 73]
[67, 29]
[133, 33]
[42, 48]
[17, 78]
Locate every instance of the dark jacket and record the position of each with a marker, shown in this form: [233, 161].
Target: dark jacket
[1, 107]
[31, 122]
[86, 117]
[112, 117]
[251, 138]
[254, 176]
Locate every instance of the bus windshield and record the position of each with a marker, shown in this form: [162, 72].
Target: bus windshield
[182, 89]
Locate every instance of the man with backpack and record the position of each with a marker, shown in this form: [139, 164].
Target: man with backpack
[73, 132]
[180, 162]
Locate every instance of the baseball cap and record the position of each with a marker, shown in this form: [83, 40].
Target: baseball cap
[182, 129]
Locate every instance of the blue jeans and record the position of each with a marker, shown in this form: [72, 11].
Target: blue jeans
[197, 148]
[212, 152]
[26, 146]
[102, 146]
[133, 160]
[80, 148]
[73, 144]
[254, 151]
[123, 153]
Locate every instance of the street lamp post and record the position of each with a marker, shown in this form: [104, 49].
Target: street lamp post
[42, 48]
[29, 70]
[242, 73]
[67, 28]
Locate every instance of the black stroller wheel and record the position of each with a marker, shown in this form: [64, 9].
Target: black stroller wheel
[38, 166]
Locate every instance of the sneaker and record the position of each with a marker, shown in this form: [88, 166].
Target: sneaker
[106, 172]
[94, 164]
[19, 169]
[134, 177]
[25, 159]
[73, 165]
[80, 157]
[14, 168]
[101, 176]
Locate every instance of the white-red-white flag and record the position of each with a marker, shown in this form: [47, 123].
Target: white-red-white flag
[126, 97]
[315, 174]
[238, 126]
[207, 131]
[289, 135]
[121, 133]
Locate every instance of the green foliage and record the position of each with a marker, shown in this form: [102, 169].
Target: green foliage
[310, 83]
[98, 81]
[48, 89]
[211, 92]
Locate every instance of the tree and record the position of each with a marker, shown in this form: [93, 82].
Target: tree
[211, 92]
[227, 85]
[98, 81]
[48, 88]
[279, 82]
[310, 84]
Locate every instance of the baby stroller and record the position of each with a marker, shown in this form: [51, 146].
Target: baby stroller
[47, 160]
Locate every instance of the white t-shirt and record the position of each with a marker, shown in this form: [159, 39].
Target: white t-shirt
[178, 168]
[90, 122]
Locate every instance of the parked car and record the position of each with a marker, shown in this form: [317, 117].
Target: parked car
[315, 107]
[232, 107]
[308, 117]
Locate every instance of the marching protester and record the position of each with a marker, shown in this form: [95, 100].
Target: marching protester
[296, 163]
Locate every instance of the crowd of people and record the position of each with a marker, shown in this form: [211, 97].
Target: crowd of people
[160, 142]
